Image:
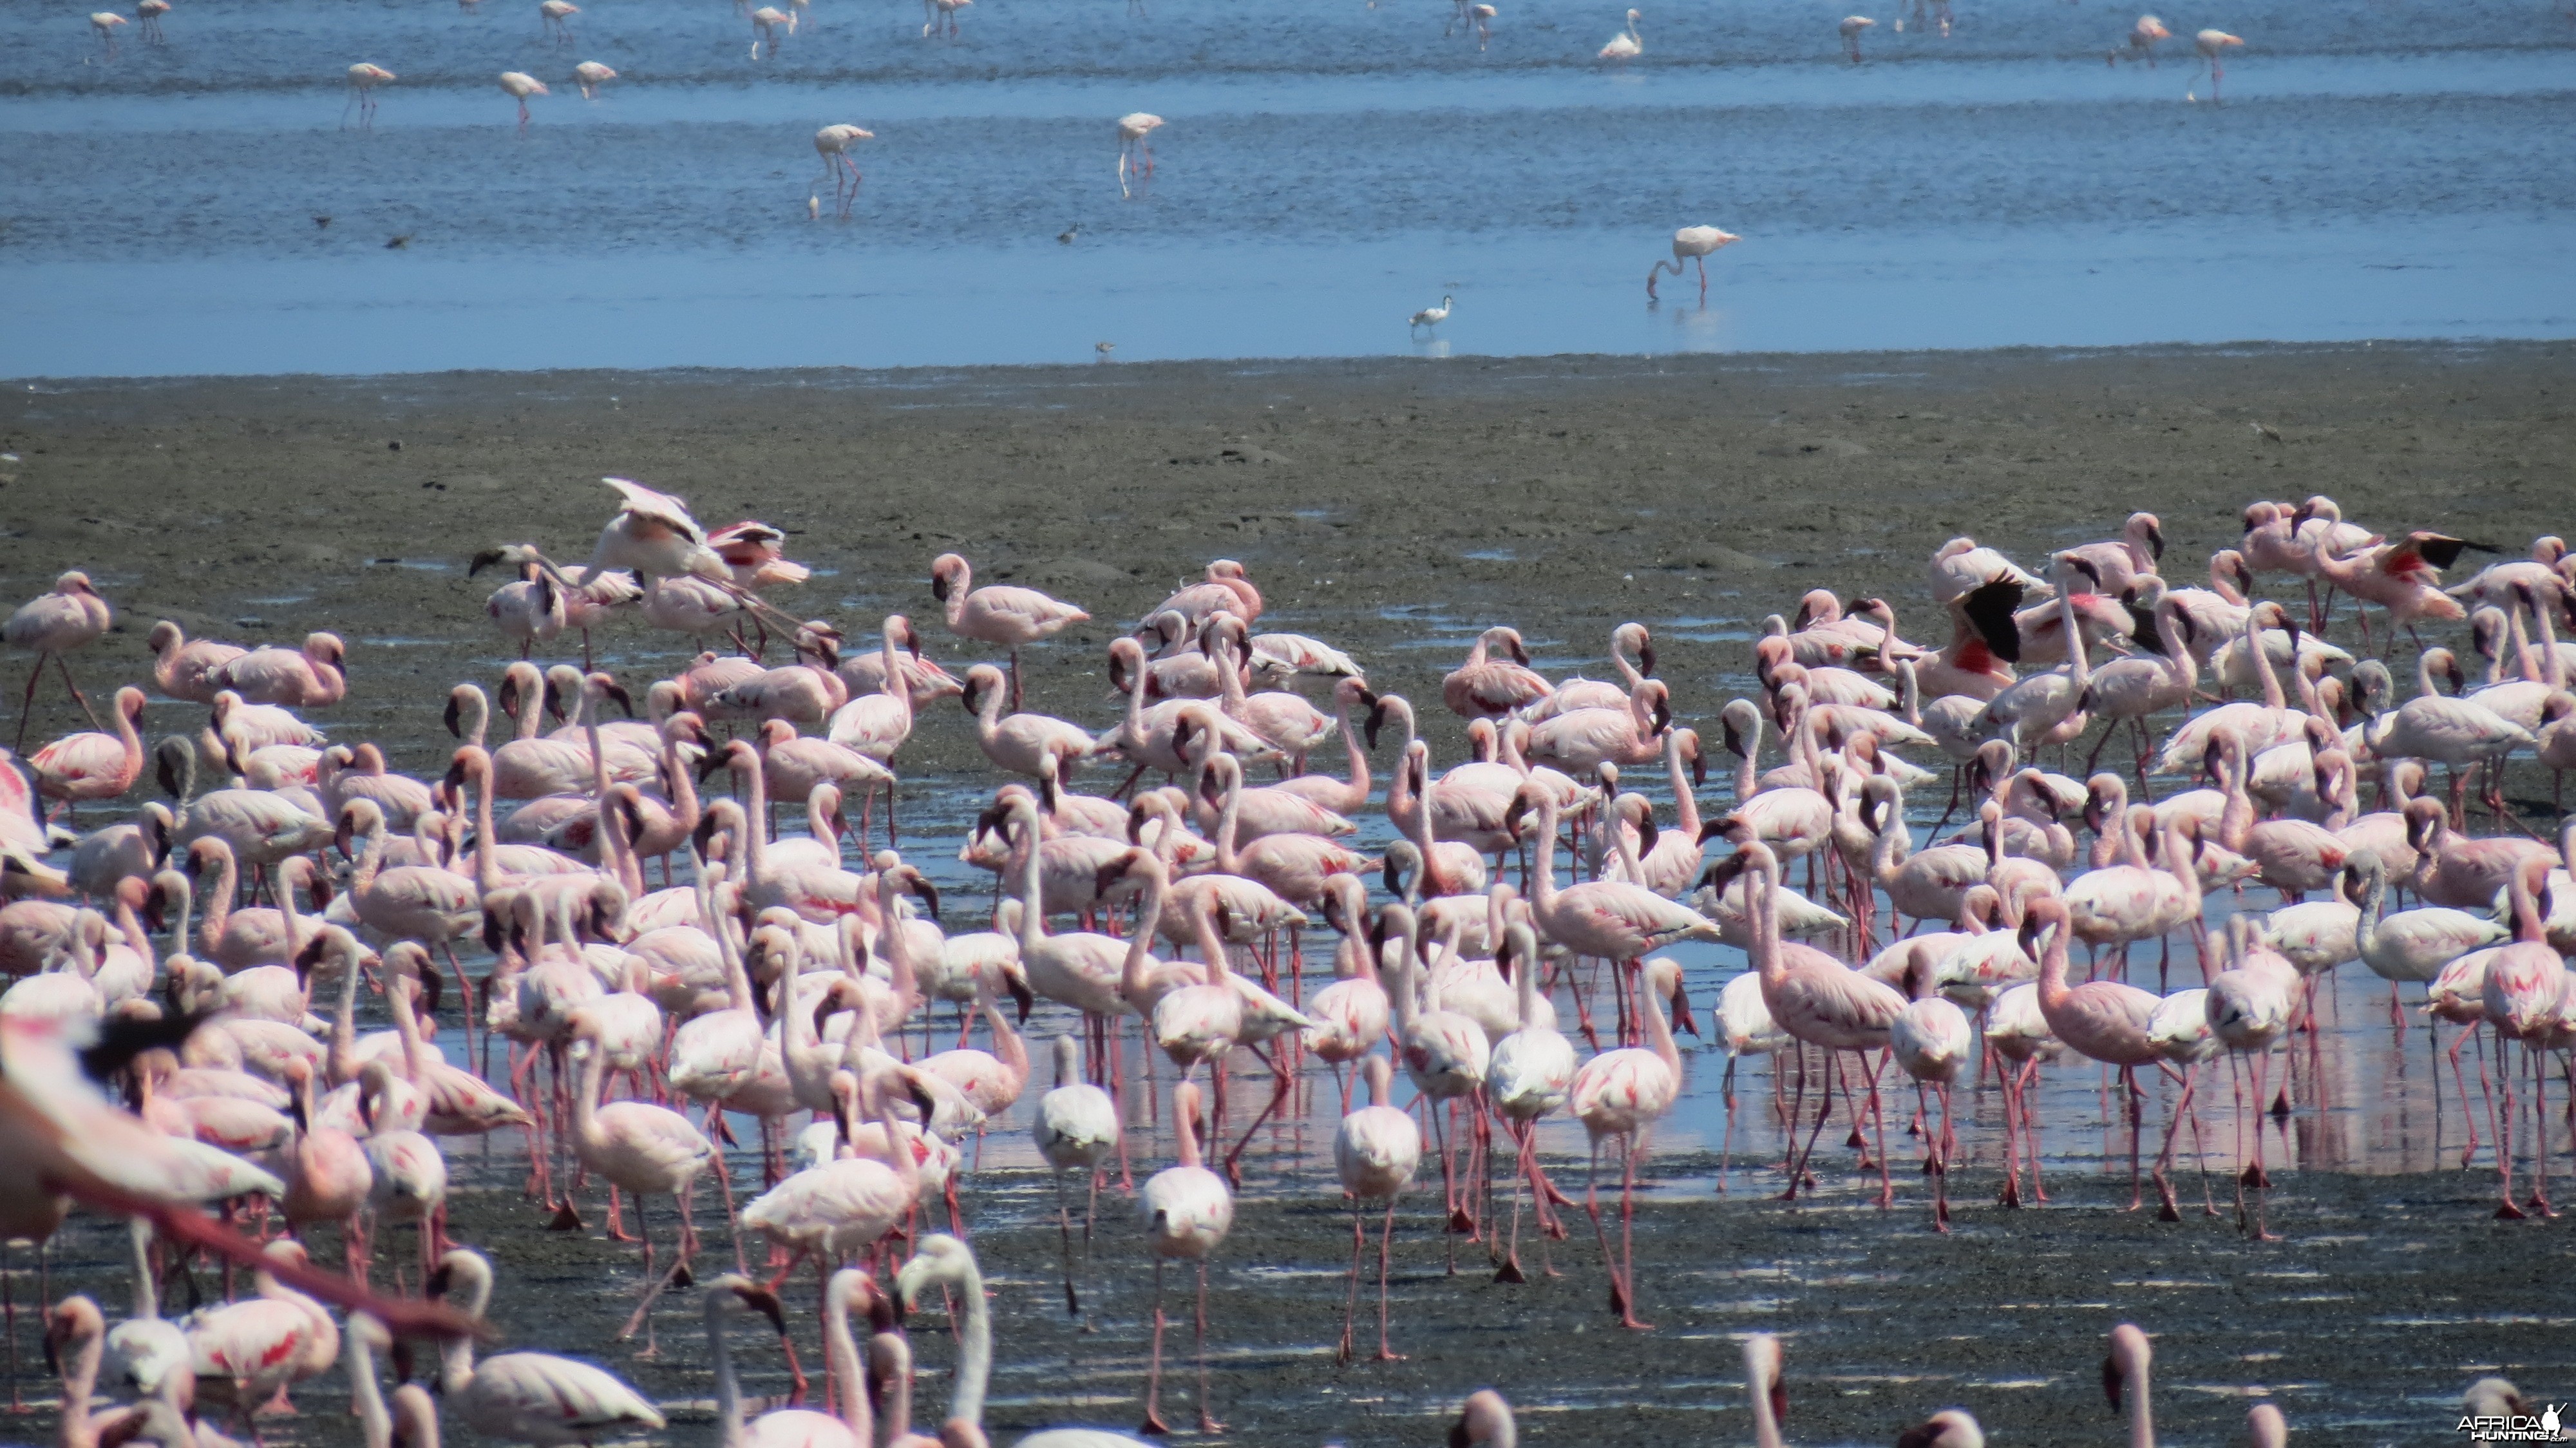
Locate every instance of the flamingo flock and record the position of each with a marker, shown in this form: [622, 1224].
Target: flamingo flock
[643, 972]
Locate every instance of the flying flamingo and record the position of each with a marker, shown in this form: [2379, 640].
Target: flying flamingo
[558, 16]
[71, 616]
[1626, 45]
[2212, 44]
[1851, 28]
[1076, 1130]
[106, 22]
[833, 144]
[1692, 244]
[1010, 617]
[592, 75]
[529, 1397]
[1135, 139]
[1187, 1212]
[1623, 1093]
[522, 85]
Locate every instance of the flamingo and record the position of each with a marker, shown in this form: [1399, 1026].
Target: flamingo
[641, 1148]
[1434, 316]
[1076, 1130]
[106, 23]
[2250, 1006]
[2103, 1019]
[313, 677]
[1529, 1077]
[1009, 617]
[557, 15]
[2142, 40]
[2523, 1000]
[529, 1397]
[149, 12]
[1693, 244]
[1376, 1151]
[2212, 44]
[248, 1353]
[1623, 1093]
[363, 80]
[1931, 1040]
[1135, 131]
[1816, 999]
[942, 11]
[1445, 1052]
[730, 1296]
[1489, 688]
[1187, 1212]
[1625, 46]
[520, 85]
[80, 767]
[71, 615]
[592, 76]
[1850, 29]
[766, 22]
[2124, 1378]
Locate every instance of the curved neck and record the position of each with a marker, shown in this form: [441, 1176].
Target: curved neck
[974, 1343]
[728, 1391]
[841, 1354]
[2079, 669]
[2053, 990]
[456, 1358]
[2553, 668]
[340, 1060]
[1357, 798]
[373, 1421]
[1766, 1425]
[1131, 974]
[487, 870]
[1659, 1031]
[219, 903]
[753, 780]
[2142, 1418]
[478, 718]
[895, 685]
[1542, 885]
[2273, 698]
[1685, 803]
[1024, 824]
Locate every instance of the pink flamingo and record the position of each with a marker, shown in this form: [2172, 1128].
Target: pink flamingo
[1226, 588]
[1693, 244]
[150, 12]
[107, 23]
[1625, 46]
[1009, 617]
[1187, 1213]
[2105, 1020]
[180, 667]
[1076, 1130]
[1623, 1093]
[557, 15]
[2521, 1000]
[1020, 743]
[1376, 1151]
[2403, 577]
[363, 80]
[2250, 1006]
[529, 1397]
[592, 76]
[1530, 1077]
[2212, 44]
[313, 677]
[80, 767]
[2142, 40]
[730, 1296]
[1818, 1000]
[1135, 140]
[520, 85]
[52, 624]
[1851, 28]
[2124, 1376]
[1488, 688]
[643, 1149]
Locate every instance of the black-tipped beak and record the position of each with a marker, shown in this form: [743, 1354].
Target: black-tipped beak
[1646, 658]
[1021, 996]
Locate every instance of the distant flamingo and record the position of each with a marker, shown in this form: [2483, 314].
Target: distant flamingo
[1376, 1151]
[150, 13]
[1851, 28]
[106, 22]
[1077, 1130]
[80, 767]
[1626, 45]
[363, 80]
[1692, 244]
[1135, 132]
[314, 676]
[558, 16]
[522, 85]
[1010, 617]
[1434, 316]
[2142, 40]
[1483, 16]
[833, 143]
[2212, 44]
[941, 11]
[71, 616]
[592, 75]
[766, 22]
[2103, 1019]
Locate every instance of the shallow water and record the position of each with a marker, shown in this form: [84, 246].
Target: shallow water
[1323, 174]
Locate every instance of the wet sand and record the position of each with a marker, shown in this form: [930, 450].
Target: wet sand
[1394, 508]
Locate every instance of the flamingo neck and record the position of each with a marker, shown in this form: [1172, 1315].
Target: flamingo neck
[728, 1391]
[374, 1422]
[841, 1352]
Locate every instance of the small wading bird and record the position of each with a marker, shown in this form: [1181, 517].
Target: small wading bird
[1692, 244]
[1432, 316]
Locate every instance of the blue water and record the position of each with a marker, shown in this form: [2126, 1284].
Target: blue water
[2391, 171]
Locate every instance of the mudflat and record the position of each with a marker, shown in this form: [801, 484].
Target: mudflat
[1391, 508]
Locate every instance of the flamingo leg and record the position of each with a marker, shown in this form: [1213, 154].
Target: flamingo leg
[1154, 1423]
[1207, 1420]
